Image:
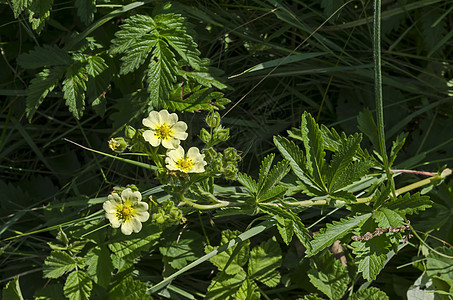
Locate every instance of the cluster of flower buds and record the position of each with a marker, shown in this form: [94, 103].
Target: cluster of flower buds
[166, 213]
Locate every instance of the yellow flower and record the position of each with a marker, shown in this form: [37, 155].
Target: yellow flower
[126, 211]
[192, 162]
[164, 128]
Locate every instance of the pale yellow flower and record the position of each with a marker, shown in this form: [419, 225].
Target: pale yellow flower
[192, 162]
[164, 128]
[127, 211]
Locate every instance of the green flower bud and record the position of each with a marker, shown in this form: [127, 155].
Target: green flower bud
[231, 154]
[230, 172]
[213, 119]
[209, 154]
[118, 144]
[205, 136]
[223, 134]
[129, 132]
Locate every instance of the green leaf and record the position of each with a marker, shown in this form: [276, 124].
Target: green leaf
[19, 6]
[129, 289]
[396, 147]
[439, 266]
[161, 73]
[335, 231]
[381, 195]
[264, 261]
[385, 218]
[40, 87]
[371, 255]
[12, 290]
[179, 249]
[230, 261]
[95, 65]
[199, 99]
[38, 13]
[368, 126]
[74, 87]
[205, 79]
[248, 182]
[100, 265]
[273, 193]
[314, 148]
[295, 156]
[266, 165]
[371, 293]
[328, 275]
[353, 172]
[331, 138]
[50, 292]
[57, 264]
[248, 291]
[46, 56]
[267, 181]
[85, 10]
[225, 286]
[341, 161]
[409, 204]
[285, 228]
[78, 286]
[297, 226]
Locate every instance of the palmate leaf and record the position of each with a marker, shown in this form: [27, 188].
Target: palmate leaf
[38, 13]
[265, 167]
[264, 261]
[19, 6]
[199, 98]
[249, 290]
[205, 79]
[341, 160]
[129, 289]
[295, 156]
[297, 227]
[46, 56]
[273, 193]
[328, 275]
[409, 204]
[371, 293]
[248, 182]
[314, 148]
[335, 231]
[100, 265]
[353, 172]
[57, 264]
[180, 249]
[269, 180]
[225, 286]
[396, 147]
[78, 286]
[40, 87]
[371, 255]
[385, 218]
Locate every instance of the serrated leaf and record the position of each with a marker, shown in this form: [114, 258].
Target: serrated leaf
[129, 289]
[396, 147]
[57, 264]
[409, 204]
[385, 218]
[161, 73]
[331, 138]
[12, 290]
[180, 249]
[230, 261]
[100, 265]
[264, 261]
[381, 195]
[285, 228]
[371, 255]
[314, 148]
[341, 160]
[335, 231]
[298, 227]
[78, 286]
[95, 65]
[50, 292]
[85, 10]
[295, 156]
[353, 172]
[40, 87]
[371, 293]
[199, 99]
[248, 182]
[19, 6]
[273, 193]
[74, 87]
[368, 126]
[328, 275]
[272, 178]
[225, 286]
[45, 56]
[206, 79]
[265, 167]
[248, 291]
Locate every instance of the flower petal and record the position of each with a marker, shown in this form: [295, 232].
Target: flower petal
[179, 130]
[151, 137]
[152, 121]
[113, 219]
[170, 143]
[128, 194]
[168, 118]
[127, 227]
[136, 225]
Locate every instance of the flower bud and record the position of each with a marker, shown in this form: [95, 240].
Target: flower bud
[129, 132]
[205, 136]
[118, 144]
[213, 119]
[223, 134]
[209, 154]
[231, 154]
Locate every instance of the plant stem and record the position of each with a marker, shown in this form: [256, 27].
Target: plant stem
[220, 204]
[407, 188]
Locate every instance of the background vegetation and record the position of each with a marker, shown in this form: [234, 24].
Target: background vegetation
[273, 60]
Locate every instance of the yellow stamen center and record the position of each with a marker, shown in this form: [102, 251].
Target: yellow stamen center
[184, 164]
[125, 213]
[164, 131]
